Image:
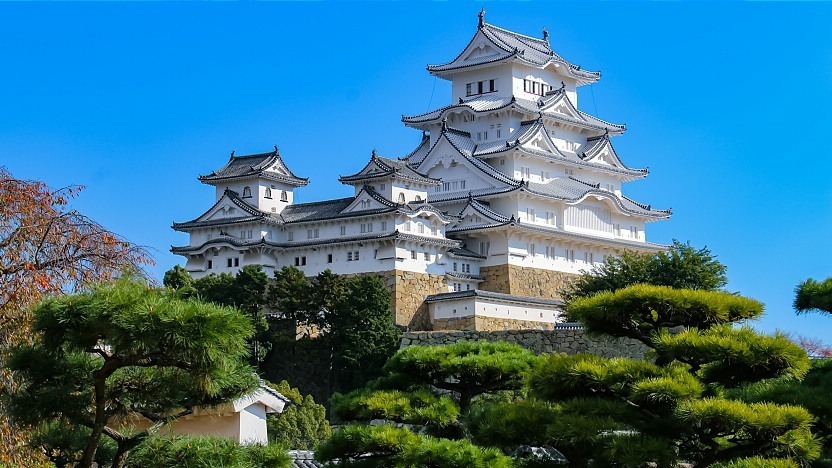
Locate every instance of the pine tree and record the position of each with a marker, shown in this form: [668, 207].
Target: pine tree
[127, 350]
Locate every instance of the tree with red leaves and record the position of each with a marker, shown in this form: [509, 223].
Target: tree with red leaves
[47, 248]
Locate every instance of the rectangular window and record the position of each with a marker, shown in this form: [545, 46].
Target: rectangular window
[530, 215]
[498, 133]
[312, 233]
[421, 228]
[363, 228]
[530, 249]
[210, 264]
[375, 253]
[479, 87]
[237, 262]
[525, 173]
[290, 236]
[454, 266]
[466, 267]
[484, 248]
[569, 172]
[382, 186]
[230, 262]
[479, 136]
[329, 258]
[617, 229]
[550, 218]
[349, 256]
[502, 162]
[544, 175]
[413, 254]
[492, 86]
[343, 230]
[468, 89]
[355, 255]
[634, 232]
[384, 225]
[427, 256]
[570, 255]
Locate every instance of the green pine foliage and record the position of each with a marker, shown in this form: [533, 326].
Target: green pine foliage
[758, 462]
[418, 407]
[202, 452]
[680, 267]
[640, 310]
[127, 350]
[389, 446]
[733, 356]
[467, 368]
[812, 295]
[302, 425]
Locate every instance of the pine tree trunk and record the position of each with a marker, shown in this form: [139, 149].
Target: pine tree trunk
[100, 420]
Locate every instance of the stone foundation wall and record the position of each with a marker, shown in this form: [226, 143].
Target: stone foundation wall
[407, 296]
[480, 323]
[569, 339]
[521, 281]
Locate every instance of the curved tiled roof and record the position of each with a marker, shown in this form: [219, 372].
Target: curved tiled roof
[515, 223]
[234, 197]
[464, 276]
[245, 244]
[513, 46]
[255, 166]
[494, 295]
[385, 167]
[571, 189]
[463, 252]
[479, 105]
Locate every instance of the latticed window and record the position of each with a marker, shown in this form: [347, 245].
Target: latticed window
[284, 197]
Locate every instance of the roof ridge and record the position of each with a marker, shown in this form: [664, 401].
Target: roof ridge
[523, 36]
[319, 202]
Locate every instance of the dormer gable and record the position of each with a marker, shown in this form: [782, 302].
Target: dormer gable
[451, 160]
[229, 208]
[368, 199]
[599, 150]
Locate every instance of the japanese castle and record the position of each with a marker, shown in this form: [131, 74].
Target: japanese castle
[511, 191]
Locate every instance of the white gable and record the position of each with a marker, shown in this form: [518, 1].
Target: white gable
[363, 202]
[444, 162]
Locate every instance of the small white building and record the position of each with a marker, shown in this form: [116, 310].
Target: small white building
[512, 190]
[243, 420]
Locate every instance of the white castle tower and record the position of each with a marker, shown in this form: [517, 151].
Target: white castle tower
[511, 191]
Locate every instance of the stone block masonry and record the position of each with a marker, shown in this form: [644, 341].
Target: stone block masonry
[408, 291]
[521, 281]
[564, 338]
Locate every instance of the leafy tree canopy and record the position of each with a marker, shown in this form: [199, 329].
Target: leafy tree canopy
[302, 425]
[681, 266]
[46, 248]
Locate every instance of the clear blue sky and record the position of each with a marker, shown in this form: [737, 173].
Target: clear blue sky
[727, 103]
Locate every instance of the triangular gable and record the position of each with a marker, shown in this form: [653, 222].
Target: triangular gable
[227, 207]
[480, 46]
[448, 161]
[477, 214]
[367, 200]
[537, 138]
[602, 152]
[560, 104]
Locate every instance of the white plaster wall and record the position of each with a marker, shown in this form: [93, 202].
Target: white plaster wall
[253, 425]
[486, 307]
[522, 72]
[501, 73]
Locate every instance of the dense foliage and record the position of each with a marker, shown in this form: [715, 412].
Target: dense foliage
[302, 425]
[127, 350]
[681, 266]
[202, 452]
[682, 403]
[812, 295]
[324, 334]
[46, 248]
[430, 389]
